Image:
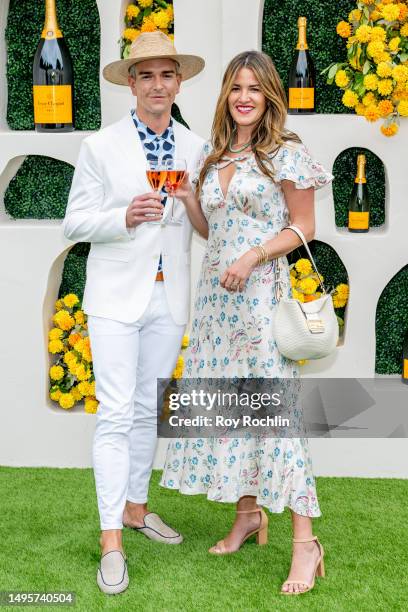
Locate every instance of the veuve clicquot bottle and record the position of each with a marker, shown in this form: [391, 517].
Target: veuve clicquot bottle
[359, 203]
[53, 78]
[302, 76]
[405, 360]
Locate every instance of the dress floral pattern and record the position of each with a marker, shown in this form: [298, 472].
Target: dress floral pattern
[231, 337]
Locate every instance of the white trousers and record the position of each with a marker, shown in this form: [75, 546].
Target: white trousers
[128, 358]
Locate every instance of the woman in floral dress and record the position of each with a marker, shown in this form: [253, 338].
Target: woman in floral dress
[255, 179]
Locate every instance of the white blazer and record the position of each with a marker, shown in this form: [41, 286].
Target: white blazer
[122, 263]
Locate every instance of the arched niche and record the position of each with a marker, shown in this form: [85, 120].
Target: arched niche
[36, 187]
[79, 21]
[391, 324]
[344, 170]
[279, 38]
[332, 269]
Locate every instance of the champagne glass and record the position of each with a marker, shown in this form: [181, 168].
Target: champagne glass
[176, 171]
[156, 175]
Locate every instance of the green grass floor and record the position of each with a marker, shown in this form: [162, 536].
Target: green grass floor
[49, 542]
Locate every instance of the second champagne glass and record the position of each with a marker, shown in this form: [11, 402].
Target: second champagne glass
[156, 173]
[176, 170]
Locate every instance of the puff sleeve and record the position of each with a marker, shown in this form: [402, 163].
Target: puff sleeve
[293, 162]
[206, 150]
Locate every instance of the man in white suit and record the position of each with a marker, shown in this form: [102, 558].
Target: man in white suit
[137, 291]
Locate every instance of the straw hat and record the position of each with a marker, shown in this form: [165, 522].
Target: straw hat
[148, 46]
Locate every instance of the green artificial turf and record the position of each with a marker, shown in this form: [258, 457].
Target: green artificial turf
[49, 542]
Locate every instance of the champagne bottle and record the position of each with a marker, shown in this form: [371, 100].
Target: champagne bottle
[359, 204]
[53, 78]
[302, 76]
[405, 360]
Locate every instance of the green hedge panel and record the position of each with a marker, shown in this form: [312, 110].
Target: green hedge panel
[74, 272]
[344, 171]
[40, 189]
[279, 38]
[391, 324]
[79, 21]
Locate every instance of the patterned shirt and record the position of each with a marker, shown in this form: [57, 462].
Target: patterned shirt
[157, 147]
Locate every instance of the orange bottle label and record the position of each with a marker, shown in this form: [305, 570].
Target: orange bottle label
[358, 220]
[52, 104]
[301, 97]
[405, 373]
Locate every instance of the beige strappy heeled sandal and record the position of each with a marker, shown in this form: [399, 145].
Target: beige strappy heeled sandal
[319, 569]
[261, 534]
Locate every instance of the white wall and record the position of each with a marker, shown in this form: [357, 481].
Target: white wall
[32, 253]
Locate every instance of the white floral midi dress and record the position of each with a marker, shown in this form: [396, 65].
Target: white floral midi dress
[231, 337]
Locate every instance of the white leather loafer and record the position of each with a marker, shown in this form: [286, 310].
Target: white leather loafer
[112, 576]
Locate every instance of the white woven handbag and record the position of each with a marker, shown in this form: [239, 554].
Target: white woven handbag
[304, 330]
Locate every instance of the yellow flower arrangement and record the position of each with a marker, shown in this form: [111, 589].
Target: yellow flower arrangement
[375, 72]
[71, 373]
[146, 16]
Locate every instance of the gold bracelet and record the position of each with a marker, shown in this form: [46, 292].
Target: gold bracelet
[261, 253]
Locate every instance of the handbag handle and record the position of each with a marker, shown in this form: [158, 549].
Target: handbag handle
[299, 232]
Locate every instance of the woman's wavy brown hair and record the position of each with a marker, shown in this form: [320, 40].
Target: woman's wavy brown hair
[270, 132]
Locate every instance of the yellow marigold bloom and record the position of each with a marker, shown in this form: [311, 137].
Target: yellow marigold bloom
[385, 87]
[63, 319]
[307, 285]
[293, 281]
[79, 317]
[400, 73]
[394, 43]
[70, 300]
[130, 34]
[145, 3]
[403, 108]
[297, 295]
[385, 107]
[72, 366]
[368, 99]
[375, 15]
[148, 25]
[403, 11]
[341, 78]
[161, 19]
[55, 395]
[404, 30]
[343, 29]
[400, 92]
[76, 394]
[73, 338]
[378, 33]
[79, 345]
[354, 15]
[84, 388]
[350, 98]
[82, 373]
[363, 33]
[382, 57]
[390, 12]
[178, 373]
[87, 355]
[368, 2]
[337, 303]
[389, 130]
[69, 356]
[132, 11]
[56, 372]
[59, 304]
[375, 48]
[372, 113]
[384, 70]
[185, 341]
[371, 81]
[55, 346]
[360, 109]
[55, 333]
[342, 291]
[303, 266]
[91, 405]
[180, 362]
[66, 401]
